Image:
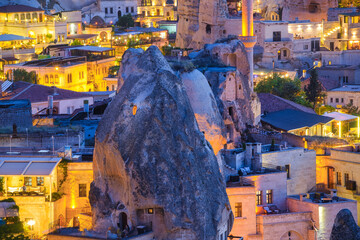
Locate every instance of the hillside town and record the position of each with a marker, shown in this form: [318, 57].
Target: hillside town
[179, 120]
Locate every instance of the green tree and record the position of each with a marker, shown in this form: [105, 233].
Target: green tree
[313, 89]
[284, 87]
[125, 21]
[76, 43]
[23, 75]
[323, 109]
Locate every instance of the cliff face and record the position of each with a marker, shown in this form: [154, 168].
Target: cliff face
[150, 154]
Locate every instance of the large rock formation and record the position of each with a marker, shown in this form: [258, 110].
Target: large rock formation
[152, 164]
[228, 76]
[345, 227]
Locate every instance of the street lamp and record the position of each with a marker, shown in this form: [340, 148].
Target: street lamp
[27, 137]
[53, 143]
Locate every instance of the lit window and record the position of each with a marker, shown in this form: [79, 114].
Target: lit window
[238, 209]
[338, 178]
[46, 78]
[150, 211]
[56, 79]
[287, 168]
[39, 181]
[346, 178]
[28, 181]
[269, 196]
[258, 197]
[82, 190]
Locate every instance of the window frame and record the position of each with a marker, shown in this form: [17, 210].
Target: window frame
[28, 181]
[82, 190]
[269, 196]
[238, 209]
[258, 198]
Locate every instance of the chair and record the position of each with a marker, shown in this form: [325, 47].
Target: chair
[267, 210]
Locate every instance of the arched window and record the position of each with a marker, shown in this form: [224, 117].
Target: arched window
[56, 79]
[16, 17]
[34, 16]
[46, 78]
[51, 78]
[22, 16]
[28, 16]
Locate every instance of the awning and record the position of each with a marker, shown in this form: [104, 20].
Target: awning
[27, 166]
[340, 116]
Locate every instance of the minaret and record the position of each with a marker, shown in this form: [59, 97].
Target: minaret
[248, 38]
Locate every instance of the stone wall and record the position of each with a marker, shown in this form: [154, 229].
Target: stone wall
[275, 181]
[246, 224]
[78, 173]
[302, 167]
[11, 114]
[278, 226]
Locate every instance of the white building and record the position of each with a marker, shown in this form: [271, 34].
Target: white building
[108, 11]
[347, 94]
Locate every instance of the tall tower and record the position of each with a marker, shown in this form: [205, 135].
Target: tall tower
[248, 38]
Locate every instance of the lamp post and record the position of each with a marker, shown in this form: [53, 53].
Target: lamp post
[10, 142]
[67, 137]
[27, 137]
[53, 144]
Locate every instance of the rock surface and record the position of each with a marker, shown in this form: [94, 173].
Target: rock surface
[345, 227]
[150, 154]
[204, 105]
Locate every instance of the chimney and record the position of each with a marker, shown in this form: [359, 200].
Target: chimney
[86, 108]
[50, 104]
[55, 91]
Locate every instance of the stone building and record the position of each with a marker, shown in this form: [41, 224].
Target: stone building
[259, 198]
[338, 171]
[347, 94]
[32, 22]
[108, 11]
[152, 12]
[299, 164]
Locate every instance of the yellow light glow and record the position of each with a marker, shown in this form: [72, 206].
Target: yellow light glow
[56, 68]
[31, 222]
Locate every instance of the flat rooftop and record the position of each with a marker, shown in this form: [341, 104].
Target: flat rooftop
[28, 165]
[54, 61]
[347, 88]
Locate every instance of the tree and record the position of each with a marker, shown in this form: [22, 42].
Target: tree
[284, 87]
[23, 75]
[125, 21]
[313, 89]
[76, 43]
